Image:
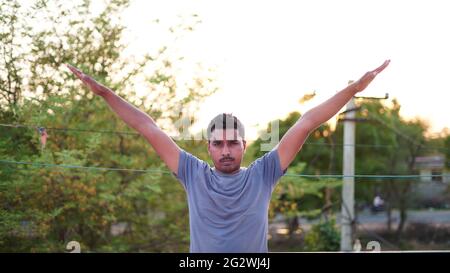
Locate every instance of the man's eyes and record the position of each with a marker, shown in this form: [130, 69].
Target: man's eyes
[234, 142]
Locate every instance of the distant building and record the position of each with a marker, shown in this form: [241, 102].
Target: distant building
[433, 187]
[432, 165]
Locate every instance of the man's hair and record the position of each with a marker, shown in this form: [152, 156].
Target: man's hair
[225, 121]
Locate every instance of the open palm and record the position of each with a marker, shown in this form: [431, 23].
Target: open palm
[365, 80]
[94, 86]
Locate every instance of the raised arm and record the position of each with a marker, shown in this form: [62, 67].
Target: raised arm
[294, 138]
[164, 146]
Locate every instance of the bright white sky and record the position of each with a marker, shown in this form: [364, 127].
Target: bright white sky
[268, 54]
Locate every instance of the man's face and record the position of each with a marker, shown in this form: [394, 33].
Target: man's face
[226, 148]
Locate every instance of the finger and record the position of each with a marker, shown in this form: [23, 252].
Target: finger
[71, 67]
[80, 75]
[381, 67]
[74, 71]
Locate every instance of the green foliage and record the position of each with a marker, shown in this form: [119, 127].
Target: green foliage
[43, 208]
[388, 145]
[323, 236]
[447, 154]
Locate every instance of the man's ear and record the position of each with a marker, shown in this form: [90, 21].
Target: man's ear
[207, 147]
[245, 144]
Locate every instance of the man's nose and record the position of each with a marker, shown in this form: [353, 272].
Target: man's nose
[225, 150]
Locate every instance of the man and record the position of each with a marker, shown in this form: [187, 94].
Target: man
[228, 205]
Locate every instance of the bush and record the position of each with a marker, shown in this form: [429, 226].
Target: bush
[323, 236]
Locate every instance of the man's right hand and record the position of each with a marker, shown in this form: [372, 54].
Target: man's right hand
[94, 86]
[164, 146]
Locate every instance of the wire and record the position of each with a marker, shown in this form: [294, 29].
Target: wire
[351, 145]
[365, 176]
[137, 134]
[403, 135]
[50, 165]
[398, 132]
[69, 129]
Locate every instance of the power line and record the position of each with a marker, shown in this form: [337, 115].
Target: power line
[403, 135]
[137, 134]
[366, 176]
[51, 165]
[356, 145]
[398, 132]
[69, 129]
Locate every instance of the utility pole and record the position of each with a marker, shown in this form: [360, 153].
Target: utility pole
[348, 169]
[348, 189]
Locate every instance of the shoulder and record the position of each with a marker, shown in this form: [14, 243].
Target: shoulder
[189, 166]
[269, 158]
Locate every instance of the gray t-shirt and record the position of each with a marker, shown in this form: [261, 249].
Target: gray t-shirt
[229, 212]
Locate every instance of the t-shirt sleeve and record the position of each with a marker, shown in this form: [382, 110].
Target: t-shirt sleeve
[189, 167]
[270, 166]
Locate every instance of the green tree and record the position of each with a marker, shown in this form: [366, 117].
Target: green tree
[447, 154]
[42, 208]
[295, 196]
[394, 144]
[386, 144]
